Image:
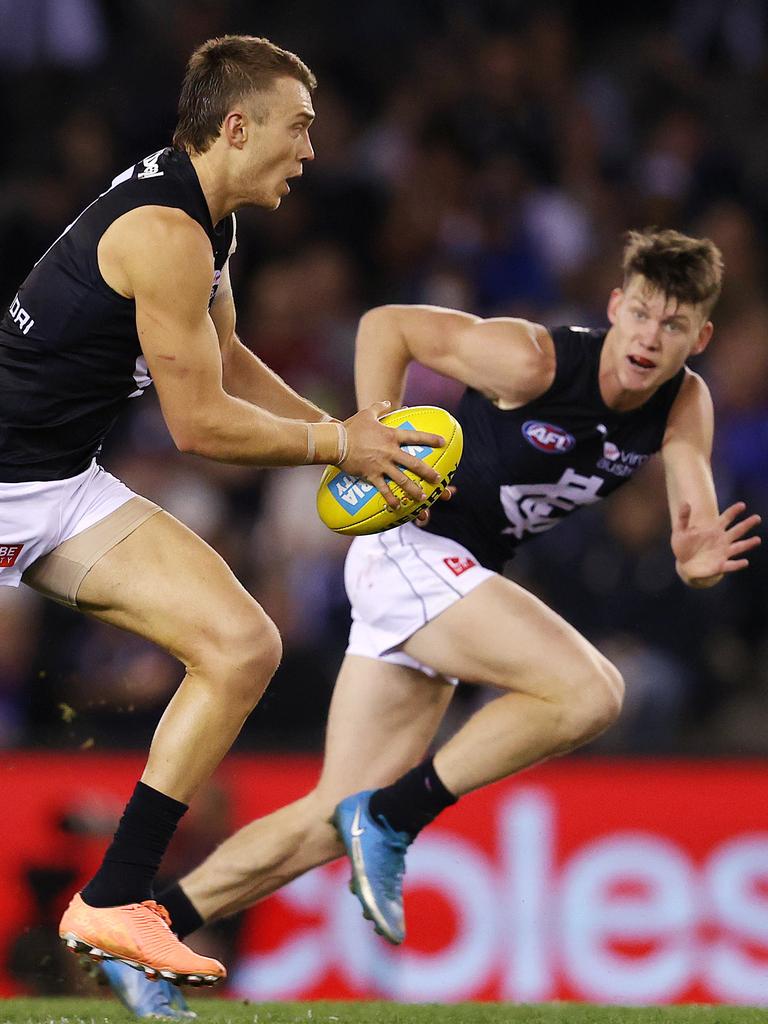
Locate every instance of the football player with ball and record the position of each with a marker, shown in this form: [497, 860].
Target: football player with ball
[552, 420]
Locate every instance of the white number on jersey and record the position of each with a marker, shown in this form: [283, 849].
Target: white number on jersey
[530, 508]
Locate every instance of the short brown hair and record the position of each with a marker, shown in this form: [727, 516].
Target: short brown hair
[223, 71]
[680, 267]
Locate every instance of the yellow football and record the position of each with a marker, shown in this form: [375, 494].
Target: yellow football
[351, 506]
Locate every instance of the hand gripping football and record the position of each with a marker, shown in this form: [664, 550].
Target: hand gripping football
[351, 506]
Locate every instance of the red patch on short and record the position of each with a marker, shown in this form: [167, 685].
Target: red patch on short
[459, 565]
[8, 554]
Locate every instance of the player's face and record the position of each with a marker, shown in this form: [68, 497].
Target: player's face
[651, 336]
[277, 142]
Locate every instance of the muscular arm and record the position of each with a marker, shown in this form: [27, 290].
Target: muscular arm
[162, 259]
[706, 543]
[244, 375]
[512, 361]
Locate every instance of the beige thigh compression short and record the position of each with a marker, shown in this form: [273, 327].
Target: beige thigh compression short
[59, 573]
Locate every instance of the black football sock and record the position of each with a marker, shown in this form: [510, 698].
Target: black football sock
[413, 801]
[184, 918]
[131, 862]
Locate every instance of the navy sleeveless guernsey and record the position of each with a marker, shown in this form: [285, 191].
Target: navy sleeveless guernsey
[525, 469]
[70, 356]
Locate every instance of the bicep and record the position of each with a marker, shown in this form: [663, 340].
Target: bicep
[504, 357]
[176, 333]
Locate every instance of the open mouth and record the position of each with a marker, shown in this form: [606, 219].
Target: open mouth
[641, 363]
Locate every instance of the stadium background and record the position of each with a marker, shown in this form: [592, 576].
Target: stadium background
[484, 155]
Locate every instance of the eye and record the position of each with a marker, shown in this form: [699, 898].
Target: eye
[639, 314]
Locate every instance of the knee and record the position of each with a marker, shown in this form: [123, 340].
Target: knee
[241, 653]
[594, 701]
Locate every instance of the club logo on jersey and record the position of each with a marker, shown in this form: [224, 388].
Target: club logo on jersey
[458, 565]
[535, 508]
[351, 492]
[547, 437]
[8, 554]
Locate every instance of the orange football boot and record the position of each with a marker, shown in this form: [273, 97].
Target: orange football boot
[139, 935]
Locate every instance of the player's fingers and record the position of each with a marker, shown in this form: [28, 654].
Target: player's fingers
[378, 408]
[383, 488]
[421, 469]
[416, 437]
[447, 494]
[727, 517]
[740, 528]
[729, 566]
[411, 487]
[740, 546]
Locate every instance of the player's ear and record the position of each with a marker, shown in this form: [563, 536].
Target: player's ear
[704, 338]
[235, 128]
[613, 304]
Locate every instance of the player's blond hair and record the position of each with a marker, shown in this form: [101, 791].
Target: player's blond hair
[222, 72]
[680, 267]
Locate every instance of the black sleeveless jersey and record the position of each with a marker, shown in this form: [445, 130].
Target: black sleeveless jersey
[69, 351]
[525, 469]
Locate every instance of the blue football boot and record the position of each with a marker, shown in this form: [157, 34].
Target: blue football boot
[377, 854]
[159, 1000]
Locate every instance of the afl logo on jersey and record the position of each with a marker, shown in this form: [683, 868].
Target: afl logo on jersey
[547, 437]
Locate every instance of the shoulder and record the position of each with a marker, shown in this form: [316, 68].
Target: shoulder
[160, 227]
[694, 397]
[692, 412]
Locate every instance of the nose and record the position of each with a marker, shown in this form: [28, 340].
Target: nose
[650, 336]
[307, 152]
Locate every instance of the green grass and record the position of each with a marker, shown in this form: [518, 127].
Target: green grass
[219, 1011]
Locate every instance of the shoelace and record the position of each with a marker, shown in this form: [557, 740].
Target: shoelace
[159, 909]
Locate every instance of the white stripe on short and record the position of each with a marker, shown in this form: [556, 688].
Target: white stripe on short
[400, 580]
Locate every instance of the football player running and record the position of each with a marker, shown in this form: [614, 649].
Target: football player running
[137, 289]
[553, 420]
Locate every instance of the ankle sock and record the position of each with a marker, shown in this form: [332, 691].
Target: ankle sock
[413, 801]
[131, 862]
[184, 918]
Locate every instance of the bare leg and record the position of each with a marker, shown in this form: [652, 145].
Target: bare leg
[561, 691]
[166, 584]
[381, 722]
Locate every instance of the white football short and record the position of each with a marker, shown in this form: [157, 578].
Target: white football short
[39, 516]
[400, 580]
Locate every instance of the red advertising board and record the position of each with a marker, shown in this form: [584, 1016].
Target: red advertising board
[597, 880]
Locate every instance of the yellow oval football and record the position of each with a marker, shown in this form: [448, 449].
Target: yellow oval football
[351, 506]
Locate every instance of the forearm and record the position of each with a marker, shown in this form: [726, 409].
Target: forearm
[232, 430]
[381, 358]
[246, 377]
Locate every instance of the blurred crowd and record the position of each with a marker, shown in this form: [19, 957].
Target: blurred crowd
[481, 154]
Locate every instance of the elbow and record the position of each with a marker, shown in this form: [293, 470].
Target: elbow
[189, 437]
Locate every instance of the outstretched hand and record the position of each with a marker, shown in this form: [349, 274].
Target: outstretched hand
[705, 554]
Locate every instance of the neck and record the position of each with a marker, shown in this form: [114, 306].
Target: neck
[213, 183]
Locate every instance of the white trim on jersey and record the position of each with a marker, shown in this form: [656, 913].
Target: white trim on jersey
[142, 377]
